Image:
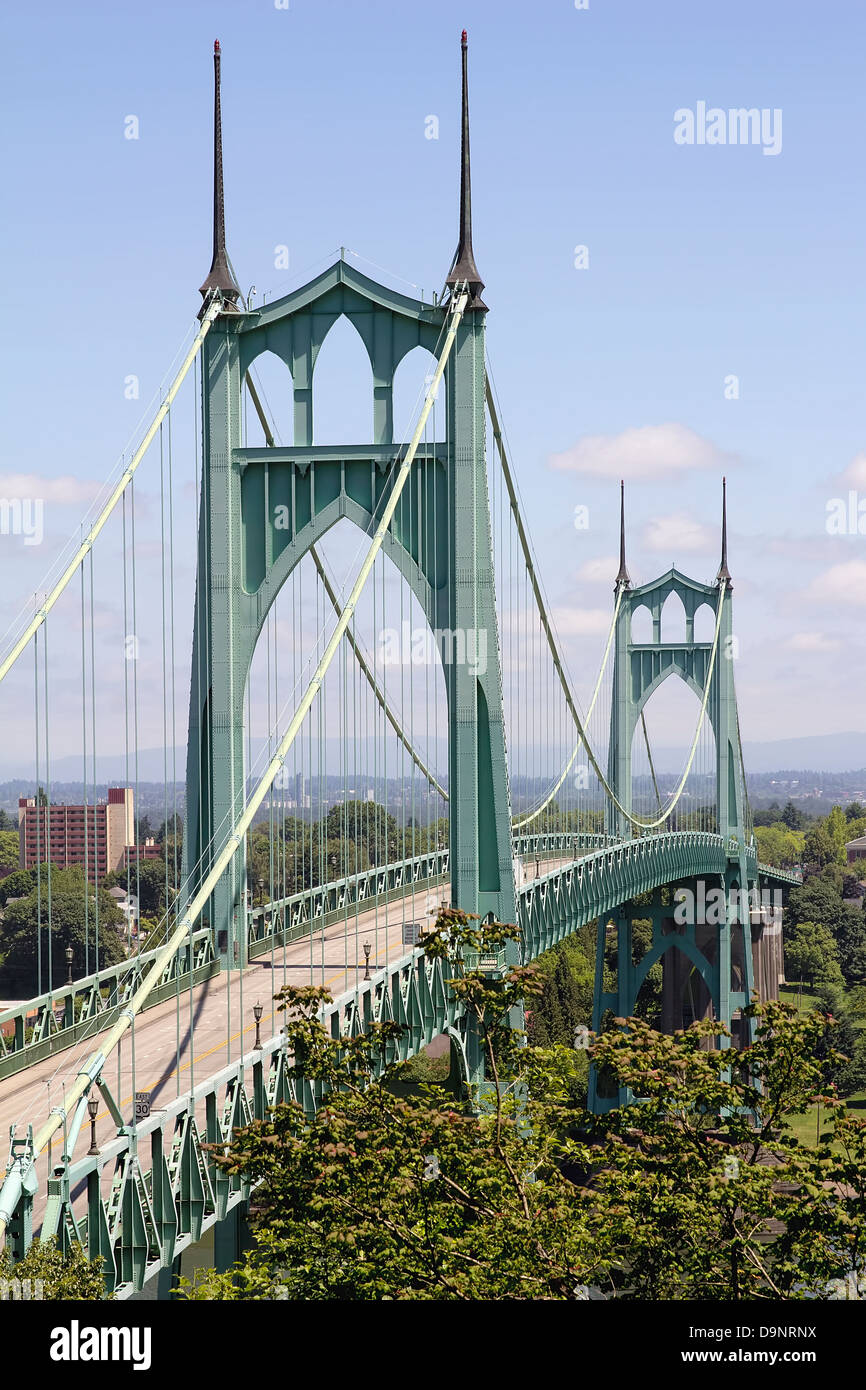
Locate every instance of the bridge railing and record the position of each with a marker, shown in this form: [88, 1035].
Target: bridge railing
[554, 905]
[287, 919]
[33, 1029]
[284, 920]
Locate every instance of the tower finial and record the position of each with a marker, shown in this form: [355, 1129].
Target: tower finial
[220, 276]
[724, 573]
[464, 267]
[623, 575]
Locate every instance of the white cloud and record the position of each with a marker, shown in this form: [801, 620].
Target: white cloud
[581, 622]
[676, 532]
[65, 491]
[855, 473]
[845, 584]
[646, 452]
[600, 571]
[812, 642]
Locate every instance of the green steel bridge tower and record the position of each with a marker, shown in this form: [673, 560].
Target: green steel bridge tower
[720, 953]
[440, 541]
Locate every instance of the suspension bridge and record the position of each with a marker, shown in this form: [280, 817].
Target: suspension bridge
[381, 719]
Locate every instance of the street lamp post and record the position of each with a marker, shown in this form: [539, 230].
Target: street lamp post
[258, 1010]
[69, 955]
[367, 949]
[92, 1107]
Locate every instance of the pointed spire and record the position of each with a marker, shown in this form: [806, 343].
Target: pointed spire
[220, 276]
[623, 575]
[464, 267]
[724, 573]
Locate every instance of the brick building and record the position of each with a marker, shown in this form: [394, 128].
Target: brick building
[65, 835]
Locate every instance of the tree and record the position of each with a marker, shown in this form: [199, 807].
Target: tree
[850, 937]
[811, 954]
[841, 1038]
[9, 850]
[707, 1194]
[565, 999]
[366, 824]
[816, 900]
[820, 847]
[855, 810]
[838, 830]
[697, 1192]
[792, 817]
[25, 934]
[64, 1278]
[17, 884]
[146, 881]
[779, 846]
[171, 829]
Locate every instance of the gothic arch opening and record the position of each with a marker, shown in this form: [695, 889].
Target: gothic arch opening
[342, 388]
[705, 623]
[641, 624]
[272, 382]
[673, 625]
[412, 379]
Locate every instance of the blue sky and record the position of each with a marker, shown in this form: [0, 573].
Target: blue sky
[704, 262]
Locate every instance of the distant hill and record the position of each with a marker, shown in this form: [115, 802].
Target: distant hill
[817, 752]
[827, 752]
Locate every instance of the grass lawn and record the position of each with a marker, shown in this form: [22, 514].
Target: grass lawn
[805, 1126]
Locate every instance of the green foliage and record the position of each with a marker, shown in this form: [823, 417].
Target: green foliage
[811, 955]
[425, 1069]
[780, 846]
[844, 1037]
[65, 1278]
[708, 1195]
[9, 849]
[565, 1000]
[21, 934]
[792, 817]
[820, 847]
[147, 881]
[367, 824]
[819, 899]
[699, 1192]
[17, 884]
